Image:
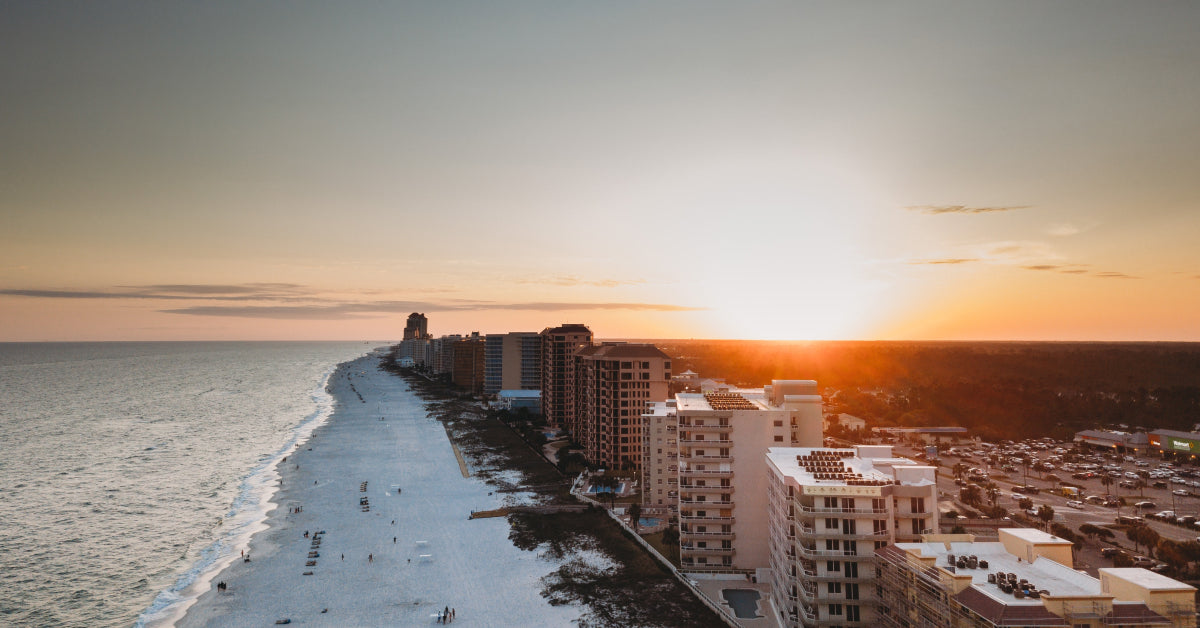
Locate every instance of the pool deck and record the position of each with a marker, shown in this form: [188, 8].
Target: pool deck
[712, 587]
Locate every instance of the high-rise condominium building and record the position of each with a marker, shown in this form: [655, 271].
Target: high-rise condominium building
[512, 361]
[1025, 579]
[614, 382]
[467, 371]
[417, 327]
[829, 510]
[558, 370]
[723, 439]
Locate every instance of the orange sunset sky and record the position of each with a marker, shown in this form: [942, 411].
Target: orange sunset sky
[766, 170]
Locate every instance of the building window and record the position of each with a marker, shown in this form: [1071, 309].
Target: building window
[778, 423]
[835, 587]
[835, 609]
[833, 565]
[778, 438]
[852, 613]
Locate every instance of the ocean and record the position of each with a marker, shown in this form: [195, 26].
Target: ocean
[127, 470]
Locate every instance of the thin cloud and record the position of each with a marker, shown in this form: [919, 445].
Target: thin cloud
[347, 311]
[576, 280]
[949, 261]
[249, 292]
[934, 210]
[1109, 274]
[1042, 267]
[1063, 230]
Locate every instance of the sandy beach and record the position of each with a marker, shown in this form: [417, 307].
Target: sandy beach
[382, 484]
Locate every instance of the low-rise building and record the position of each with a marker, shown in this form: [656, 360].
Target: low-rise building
[1110, 440]
[1024, 579]
[1174, 442]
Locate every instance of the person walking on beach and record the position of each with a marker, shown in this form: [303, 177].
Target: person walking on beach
[370, 558]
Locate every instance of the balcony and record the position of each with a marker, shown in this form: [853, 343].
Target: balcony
[706, 458]
[812, 552]
[706, 488]
[726, 473]
[706, 551]
[721, 536]
[687, 501]
[684, 516]
[821, 510]
[684, 440]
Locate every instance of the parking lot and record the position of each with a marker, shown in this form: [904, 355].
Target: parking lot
[1146, 484]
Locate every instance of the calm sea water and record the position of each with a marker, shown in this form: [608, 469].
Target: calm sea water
[129, 469]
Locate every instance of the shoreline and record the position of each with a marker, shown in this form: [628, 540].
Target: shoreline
[260, 487]
[380, 479]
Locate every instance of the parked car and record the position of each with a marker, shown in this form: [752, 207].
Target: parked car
[1109, 552]
[1145, 505]
[1180, 491]
[1094, 499]
[1075, 504]
[1142, 561]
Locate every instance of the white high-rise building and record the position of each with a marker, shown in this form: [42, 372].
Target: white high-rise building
[829, 510]
[723, 437]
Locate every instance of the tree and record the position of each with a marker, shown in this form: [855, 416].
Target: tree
[1142, 534]
[1025, 503]
[1090, 530]
[1045, 513]
[970, 495]
[635, 515]
[1141, 487]
[1107, 482]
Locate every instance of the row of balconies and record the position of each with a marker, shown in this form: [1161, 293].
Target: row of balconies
[687, 501]
[707, 488]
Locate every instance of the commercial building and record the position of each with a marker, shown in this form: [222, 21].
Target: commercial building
[530, 400]
[558, 347]
[1185, 444]
[614, 382]
[829, 511]
[724, 437]
[512, 361]
[924, 434]
[1110, 440]
[1025, 579]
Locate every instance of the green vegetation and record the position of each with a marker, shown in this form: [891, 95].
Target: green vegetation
[996, 390]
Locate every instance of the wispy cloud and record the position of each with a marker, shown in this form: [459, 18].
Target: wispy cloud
[963, 209]
[576, 280]
[1077, 269]
[949, 260]
[297, 302]
[178, 292]
[367, 310]
[1063, 230]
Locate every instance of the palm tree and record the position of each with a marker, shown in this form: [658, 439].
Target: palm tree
[1107, 481]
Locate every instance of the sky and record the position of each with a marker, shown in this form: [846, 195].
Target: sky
[761, 170]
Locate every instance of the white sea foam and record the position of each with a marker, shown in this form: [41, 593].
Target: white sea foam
[247, 515]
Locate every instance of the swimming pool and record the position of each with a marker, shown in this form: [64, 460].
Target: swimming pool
[648, 522]
[595, 490]
[743, 601]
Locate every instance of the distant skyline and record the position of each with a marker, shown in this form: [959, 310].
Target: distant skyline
[759, 170]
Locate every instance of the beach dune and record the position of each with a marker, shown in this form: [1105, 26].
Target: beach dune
[379, 459]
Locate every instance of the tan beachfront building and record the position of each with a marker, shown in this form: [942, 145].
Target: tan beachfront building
[1025, 579]
[614, 383]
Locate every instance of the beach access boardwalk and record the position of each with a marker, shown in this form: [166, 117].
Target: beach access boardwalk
[380, 435]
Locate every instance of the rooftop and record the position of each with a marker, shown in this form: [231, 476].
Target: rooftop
[839, 467]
